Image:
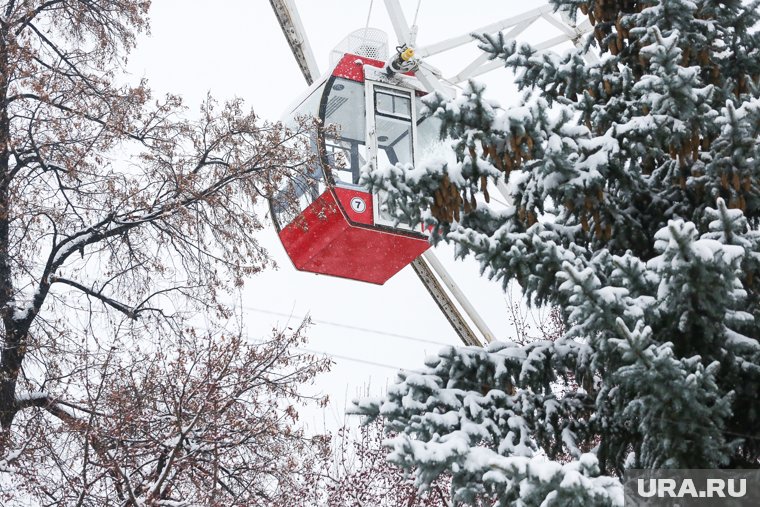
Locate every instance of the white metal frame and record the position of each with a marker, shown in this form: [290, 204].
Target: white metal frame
[432, 79]
[292, 27]
[372, 141]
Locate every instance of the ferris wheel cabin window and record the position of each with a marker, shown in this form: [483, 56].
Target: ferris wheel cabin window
[344, 106]
[393, 103]
[393, 118]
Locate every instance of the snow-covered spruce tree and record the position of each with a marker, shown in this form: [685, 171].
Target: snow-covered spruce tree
[636, 211]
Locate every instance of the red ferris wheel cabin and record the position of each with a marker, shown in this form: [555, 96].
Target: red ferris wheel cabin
[339, 227]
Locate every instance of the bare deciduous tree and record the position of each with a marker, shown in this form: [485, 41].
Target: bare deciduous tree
[360, 474]
[121, 221]
[209, 422]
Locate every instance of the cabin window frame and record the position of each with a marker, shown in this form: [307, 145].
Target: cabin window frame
[372, 89]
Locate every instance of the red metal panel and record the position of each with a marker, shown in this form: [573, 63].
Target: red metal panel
[357, 204]
[352, 67]
[367, 255]
[322, 241]
[313, 230]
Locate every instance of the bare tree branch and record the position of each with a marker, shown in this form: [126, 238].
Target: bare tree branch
[126, 310]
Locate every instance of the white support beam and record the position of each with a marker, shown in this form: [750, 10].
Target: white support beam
[470, 310]
[549, 43]
[501, 186]
[466, 73]
[562, 26]
[428, 75]
[444, 302]
[400, 25]
[581, 29]
[454, 42]
[290, 22]
[431, 81]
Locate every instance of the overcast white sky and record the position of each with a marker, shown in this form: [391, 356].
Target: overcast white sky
[236, 48]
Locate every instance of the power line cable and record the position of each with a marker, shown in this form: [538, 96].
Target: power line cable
[348, 326]
[331, 354]
[355, 359]
[399, 368]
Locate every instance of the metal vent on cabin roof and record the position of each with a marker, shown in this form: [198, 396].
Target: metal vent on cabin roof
[367, 42]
